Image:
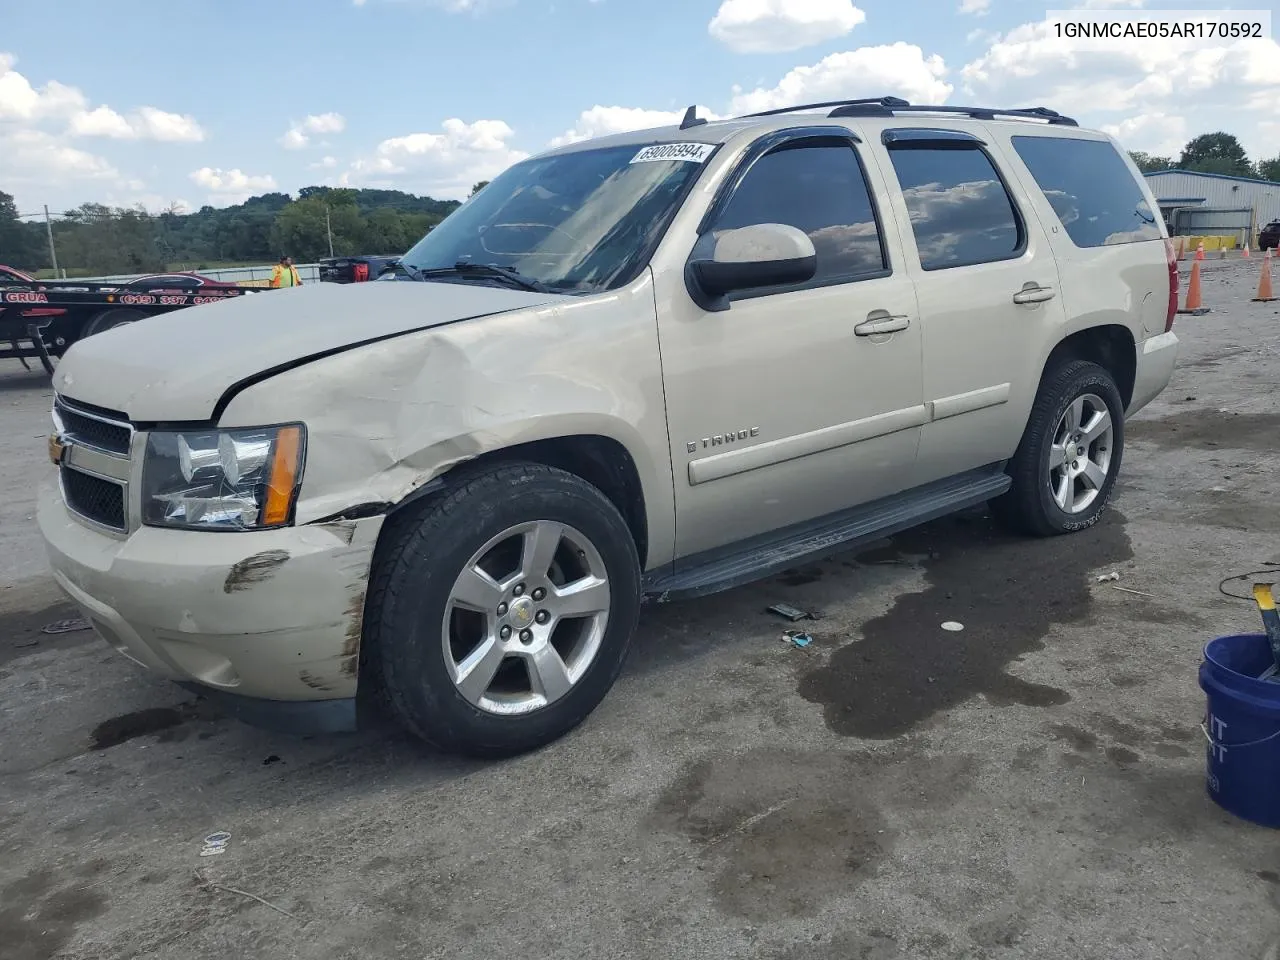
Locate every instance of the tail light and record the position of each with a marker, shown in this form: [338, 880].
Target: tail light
[1172, 257]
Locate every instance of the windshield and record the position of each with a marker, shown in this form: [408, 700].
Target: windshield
[578, 222]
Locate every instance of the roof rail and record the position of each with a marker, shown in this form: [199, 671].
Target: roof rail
[885, 102]
[888, 106]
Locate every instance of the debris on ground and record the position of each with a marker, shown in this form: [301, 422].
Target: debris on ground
[1136, 593]
[271, 759]
[215, 844]
[789, 612]
[208, 884]
[1109, 577]
[66, 626]
[797, 638]
[954, 626]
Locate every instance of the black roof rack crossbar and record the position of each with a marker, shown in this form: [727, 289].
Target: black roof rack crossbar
[885, 102]
[880, 109]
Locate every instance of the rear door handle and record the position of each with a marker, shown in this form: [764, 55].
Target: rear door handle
[1034, 293]
[880, 322]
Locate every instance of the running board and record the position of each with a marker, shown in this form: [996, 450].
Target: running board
[772, 553]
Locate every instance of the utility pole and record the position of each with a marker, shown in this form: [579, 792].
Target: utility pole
[53, 254]
[327, 229]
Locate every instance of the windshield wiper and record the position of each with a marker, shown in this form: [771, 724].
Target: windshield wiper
[464, 267]
[412, 271]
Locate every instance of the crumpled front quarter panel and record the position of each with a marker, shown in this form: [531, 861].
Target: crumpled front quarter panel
[385, 418]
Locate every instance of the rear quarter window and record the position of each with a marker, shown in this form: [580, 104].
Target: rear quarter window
[1091, 189]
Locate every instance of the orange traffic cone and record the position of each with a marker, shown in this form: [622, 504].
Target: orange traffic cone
[1181, 245]
[1264, 282]
[1193, 303]
[1200, 250]
[1245, 252]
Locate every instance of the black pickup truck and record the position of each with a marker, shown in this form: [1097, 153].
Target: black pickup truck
[1269, 236]
[354, 269]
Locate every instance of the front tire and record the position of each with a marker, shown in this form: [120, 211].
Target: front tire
[1065, 468]
[501, 613]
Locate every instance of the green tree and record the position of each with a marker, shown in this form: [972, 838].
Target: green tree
[478, 187]
[1269, 169]
[300, 229]
[1149, 163]
[387, 231]
[1216, 153]
[97, 239]
[21, 244]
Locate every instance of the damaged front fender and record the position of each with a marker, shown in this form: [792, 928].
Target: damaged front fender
[386, 419]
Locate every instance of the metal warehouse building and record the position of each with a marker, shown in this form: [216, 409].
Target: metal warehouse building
[1213, 204]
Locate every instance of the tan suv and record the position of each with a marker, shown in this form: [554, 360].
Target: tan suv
[656, 365]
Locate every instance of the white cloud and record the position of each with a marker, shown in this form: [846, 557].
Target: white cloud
[145, 123]
[231, 186]
[25, 154]
[977, 7]
[1152, 95]
[39, 159]
[299, 134]
[100, 122]
[1162, 134]
[1031, 63]
[153, 124]
[778, 26]
[897, 69]
[603, 121]
[19, 100]
[444, 165]
[325, 163]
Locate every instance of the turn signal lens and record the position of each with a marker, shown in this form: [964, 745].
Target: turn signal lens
[284, 476]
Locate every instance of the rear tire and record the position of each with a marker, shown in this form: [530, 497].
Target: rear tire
[484, 647]
[107, 319]
[1065, 468]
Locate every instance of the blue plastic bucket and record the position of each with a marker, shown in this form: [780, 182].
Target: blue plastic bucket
[1242, 725]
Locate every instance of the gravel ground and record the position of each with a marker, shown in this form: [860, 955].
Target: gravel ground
[1030, 787]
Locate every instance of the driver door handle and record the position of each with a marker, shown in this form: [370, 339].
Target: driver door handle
[1033, 293]
[880, 322]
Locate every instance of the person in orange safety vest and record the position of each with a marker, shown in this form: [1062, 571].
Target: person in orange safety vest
[285, 274]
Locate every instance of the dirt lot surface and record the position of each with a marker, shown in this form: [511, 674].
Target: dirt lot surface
[1030, 787]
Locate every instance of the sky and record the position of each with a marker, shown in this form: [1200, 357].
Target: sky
[194, 102]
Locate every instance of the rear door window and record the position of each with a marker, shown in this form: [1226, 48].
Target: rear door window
[961, 213]
[1091, 189]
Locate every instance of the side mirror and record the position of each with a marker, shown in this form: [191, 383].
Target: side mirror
[760, 255]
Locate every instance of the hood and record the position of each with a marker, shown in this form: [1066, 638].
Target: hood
[176, 366]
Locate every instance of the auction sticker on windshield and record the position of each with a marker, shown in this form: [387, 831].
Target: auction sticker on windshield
[690, 152]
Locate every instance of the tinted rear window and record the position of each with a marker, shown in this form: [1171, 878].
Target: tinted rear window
[1090, 188]
[961, 214]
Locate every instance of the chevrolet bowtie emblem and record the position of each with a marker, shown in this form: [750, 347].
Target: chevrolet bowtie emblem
[57, 449]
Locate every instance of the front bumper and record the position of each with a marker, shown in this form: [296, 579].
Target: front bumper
[1156, 358]
[273, 615]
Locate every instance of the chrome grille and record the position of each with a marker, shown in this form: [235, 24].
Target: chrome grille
[95, 498]
[94, 427]
[95, 468]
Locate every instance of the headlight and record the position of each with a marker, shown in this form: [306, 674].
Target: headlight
[244, 479]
